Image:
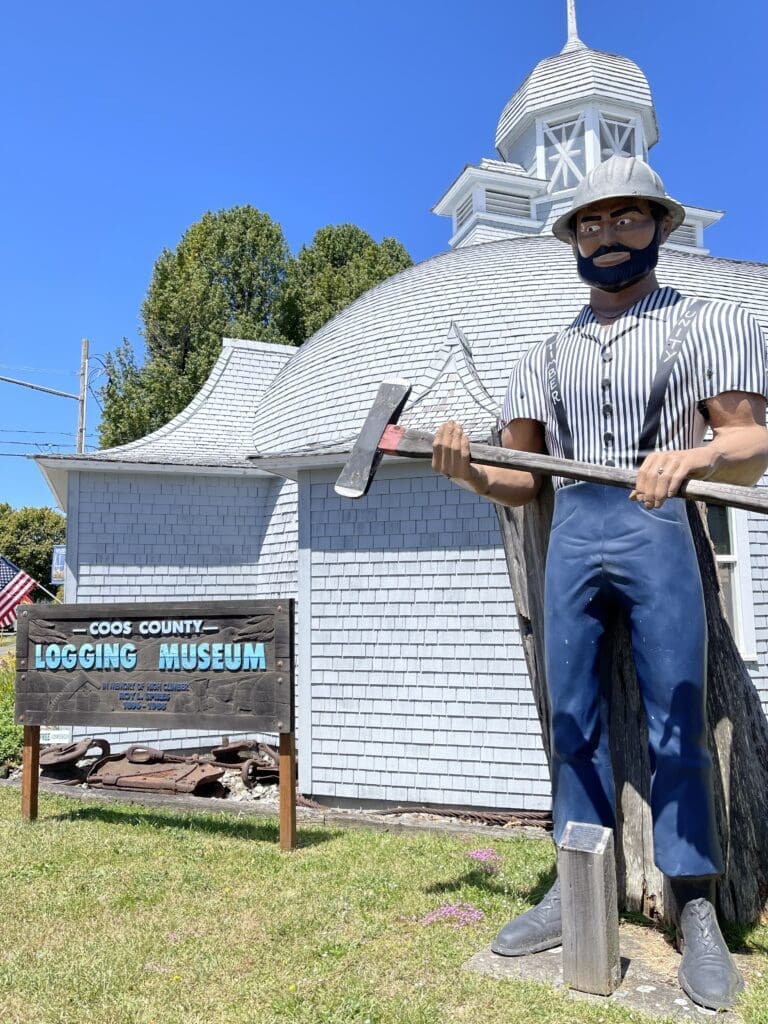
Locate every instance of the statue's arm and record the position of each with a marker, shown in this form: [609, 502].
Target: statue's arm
[740, 442]
[737, 453]
[505, 486]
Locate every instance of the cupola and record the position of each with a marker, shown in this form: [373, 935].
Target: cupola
[572, 112]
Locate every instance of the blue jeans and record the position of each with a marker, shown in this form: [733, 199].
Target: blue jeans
[607, 553]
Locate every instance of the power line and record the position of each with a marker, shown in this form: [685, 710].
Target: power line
[95, 397]
[39, 369]
[39, 444]
[29, 455]
[15, 455]
[47, 433]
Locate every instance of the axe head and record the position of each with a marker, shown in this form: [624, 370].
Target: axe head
[356, 476]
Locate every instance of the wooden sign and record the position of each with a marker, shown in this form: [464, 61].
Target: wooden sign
[225, 665]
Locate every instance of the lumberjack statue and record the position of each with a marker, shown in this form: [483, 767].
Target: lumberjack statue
[633, 383]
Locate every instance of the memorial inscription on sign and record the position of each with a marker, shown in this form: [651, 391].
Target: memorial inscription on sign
[220, 665]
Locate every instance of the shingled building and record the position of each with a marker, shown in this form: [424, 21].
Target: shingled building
[411, 680]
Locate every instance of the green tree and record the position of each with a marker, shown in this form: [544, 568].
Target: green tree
[232, 275]
[225, 278]
[27, 536]
[341, 263]
[11, 735]
[130, 409]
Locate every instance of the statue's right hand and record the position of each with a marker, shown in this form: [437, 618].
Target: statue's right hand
[450, 455]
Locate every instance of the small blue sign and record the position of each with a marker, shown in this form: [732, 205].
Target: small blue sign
[58, 564]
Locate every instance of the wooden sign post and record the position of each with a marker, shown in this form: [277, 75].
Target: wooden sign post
[287, 755]
[30, 772]
[587, 871]
[224, 666]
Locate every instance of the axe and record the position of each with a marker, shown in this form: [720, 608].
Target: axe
[381, 436]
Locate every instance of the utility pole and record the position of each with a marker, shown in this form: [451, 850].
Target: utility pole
[80, 398]
[81, 403]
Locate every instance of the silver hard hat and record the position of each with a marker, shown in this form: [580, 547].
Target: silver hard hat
[615, 178]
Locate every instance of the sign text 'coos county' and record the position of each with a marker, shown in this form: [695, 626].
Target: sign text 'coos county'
[218, 664]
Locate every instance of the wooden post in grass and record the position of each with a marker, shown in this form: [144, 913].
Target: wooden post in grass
[587, 869]
[30, 772]
[287, 791]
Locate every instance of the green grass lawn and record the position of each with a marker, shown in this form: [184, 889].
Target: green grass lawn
[115, 914]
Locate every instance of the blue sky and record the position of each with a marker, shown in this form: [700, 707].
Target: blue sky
[123, 123]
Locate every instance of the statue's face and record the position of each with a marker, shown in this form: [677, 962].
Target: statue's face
[616, 242]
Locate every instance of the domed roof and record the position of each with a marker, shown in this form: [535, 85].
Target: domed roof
[502, 296]
[573, 76]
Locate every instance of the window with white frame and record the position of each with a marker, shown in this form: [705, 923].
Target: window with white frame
[729, 530]
[564, 152]
[618, 137]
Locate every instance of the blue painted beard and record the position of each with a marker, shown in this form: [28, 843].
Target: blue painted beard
[616, 279]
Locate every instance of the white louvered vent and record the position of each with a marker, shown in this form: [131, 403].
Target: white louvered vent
[512, 206]
[464, 212]
[684, 235]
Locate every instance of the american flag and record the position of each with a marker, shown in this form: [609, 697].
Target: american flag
[15, 584]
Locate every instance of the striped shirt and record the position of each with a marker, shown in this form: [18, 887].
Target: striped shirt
[606, 374]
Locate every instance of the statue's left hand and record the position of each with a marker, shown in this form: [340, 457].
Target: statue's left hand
[662, 473]
[737, 453]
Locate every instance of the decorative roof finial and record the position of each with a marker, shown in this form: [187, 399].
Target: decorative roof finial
[573, 42]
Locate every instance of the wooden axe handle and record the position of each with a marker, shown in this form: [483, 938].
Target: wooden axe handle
[417, 444]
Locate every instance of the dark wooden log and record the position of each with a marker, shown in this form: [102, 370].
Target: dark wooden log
[737, 726]
[525, 535]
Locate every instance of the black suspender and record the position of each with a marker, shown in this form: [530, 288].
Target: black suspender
[650, 429]
[679, 333]
[555, 394]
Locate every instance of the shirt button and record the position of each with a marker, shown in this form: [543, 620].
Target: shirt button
[605, 382]
[610, 462]
[608, 437]
[607, 356]
[607, 409]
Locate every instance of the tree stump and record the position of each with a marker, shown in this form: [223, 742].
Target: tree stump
[738, 730]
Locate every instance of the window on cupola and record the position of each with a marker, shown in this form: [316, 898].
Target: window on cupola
[618, 137]
[564, 152]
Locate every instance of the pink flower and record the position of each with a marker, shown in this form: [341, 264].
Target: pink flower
[457, 915]
[487, 860]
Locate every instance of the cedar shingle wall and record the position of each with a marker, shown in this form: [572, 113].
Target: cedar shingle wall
[419, 688]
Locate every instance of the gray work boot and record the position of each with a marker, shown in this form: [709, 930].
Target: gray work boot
[707, 974]
[536, 929]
